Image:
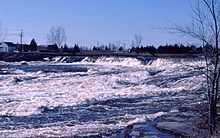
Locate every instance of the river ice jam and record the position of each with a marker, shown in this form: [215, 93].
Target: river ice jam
[93, 97]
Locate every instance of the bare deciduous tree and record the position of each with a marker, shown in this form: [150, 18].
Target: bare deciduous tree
[2, 33]
[206, 28]
[57, 35]
[137, 41]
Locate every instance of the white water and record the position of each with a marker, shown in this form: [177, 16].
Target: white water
[24, 93]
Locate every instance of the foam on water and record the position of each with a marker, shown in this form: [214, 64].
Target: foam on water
[24, 93]
[73, 90]
[101, 61]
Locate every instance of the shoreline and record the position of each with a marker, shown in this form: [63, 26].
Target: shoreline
[40, 56]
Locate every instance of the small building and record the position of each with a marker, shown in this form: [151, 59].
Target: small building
[8, 47]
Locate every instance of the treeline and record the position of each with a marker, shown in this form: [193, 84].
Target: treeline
[162, 49]
[33, 47]
[168, 49]
[110, 47]
[27, 47]
[66, 49]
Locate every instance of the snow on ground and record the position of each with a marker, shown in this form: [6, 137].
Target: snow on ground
[99, 96]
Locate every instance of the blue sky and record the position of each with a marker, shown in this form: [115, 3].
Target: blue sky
[89, 21]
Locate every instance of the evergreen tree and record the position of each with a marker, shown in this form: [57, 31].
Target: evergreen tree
[65, 48]
[120, 49]
[33, 45]
[76, 48]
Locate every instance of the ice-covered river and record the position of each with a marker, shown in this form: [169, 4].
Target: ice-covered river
[94, 98]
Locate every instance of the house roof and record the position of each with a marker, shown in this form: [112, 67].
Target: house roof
[10, 44]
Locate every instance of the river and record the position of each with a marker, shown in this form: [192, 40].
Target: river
[94, 97]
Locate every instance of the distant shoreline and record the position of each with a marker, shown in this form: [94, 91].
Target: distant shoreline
[40, 56]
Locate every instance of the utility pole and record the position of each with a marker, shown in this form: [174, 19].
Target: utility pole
[21, 39]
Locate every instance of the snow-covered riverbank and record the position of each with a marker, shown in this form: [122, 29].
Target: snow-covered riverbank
[96, 97]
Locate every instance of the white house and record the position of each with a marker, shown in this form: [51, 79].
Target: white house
[8, 47]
